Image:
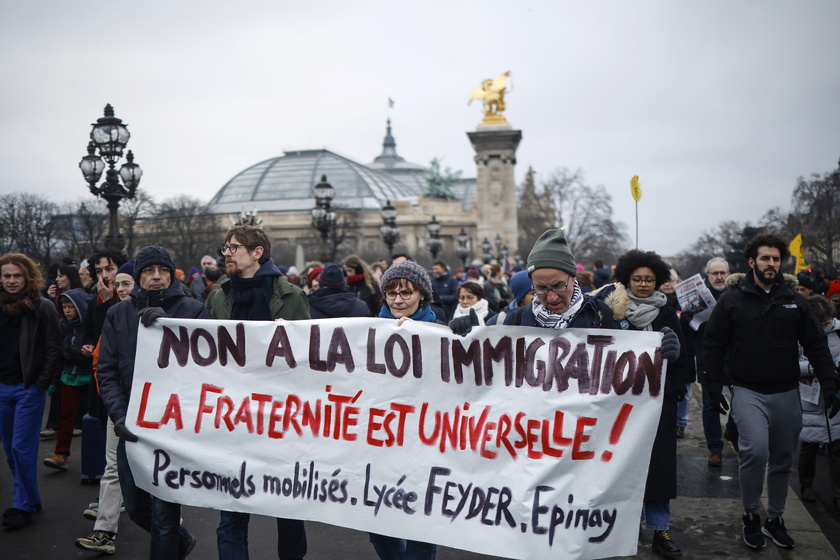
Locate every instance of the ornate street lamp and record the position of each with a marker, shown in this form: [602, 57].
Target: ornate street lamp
[486, 251]
[247, 218]
[110, 136]
[389, 230]
[435, 244]
[503, 252]
[463, 247]
[323, 217]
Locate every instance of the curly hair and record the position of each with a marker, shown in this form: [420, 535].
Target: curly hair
[631, 260]
[33, 281]
[766, 240]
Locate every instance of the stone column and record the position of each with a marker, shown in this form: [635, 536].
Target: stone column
[495, 158]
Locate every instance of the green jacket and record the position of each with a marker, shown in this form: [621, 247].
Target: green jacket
[288, 302]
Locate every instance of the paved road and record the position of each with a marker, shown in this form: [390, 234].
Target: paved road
[705, 518]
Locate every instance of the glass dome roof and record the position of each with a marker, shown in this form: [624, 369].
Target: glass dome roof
[286, 183]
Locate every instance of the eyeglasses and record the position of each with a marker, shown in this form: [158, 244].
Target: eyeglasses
[641, 281]
[151, 270]
[233, 248]
[468, 297]
[404, 294]
[126, 283]
[721, 273]
[558, 289]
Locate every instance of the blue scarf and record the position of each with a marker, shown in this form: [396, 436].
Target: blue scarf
[424, 314]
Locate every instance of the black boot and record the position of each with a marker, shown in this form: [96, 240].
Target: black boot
[662, 544]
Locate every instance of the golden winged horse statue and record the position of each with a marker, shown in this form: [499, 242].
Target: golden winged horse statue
[492, 95]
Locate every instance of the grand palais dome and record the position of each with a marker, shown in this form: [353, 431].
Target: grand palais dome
[285, 183]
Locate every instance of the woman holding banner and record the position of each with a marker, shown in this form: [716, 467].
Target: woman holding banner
[638, 304]
[408, 293]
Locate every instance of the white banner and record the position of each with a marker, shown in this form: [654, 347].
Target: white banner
[512, 441]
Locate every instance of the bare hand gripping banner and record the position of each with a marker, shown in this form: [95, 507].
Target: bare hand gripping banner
[511, 441]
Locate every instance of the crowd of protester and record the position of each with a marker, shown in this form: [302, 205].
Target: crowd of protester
[69, 334]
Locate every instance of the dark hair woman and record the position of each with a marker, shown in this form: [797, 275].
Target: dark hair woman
[66, 278]
[471, 296]
[638, 304]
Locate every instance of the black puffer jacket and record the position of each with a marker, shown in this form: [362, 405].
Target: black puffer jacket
[761, 332]
[119, 340]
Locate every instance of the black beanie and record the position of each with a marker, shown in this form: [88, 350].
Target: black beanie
[552, 251]
[152, 255]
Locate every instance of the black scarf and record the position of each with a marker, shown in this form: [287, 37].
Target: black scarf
[251, 296]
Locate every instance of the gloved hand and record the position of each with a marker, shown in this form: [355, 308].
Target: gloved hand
[670, 344]
[51, 390]
[123, 432]
[464, 324]
[718, 402]
[832, 402]
[148, 315]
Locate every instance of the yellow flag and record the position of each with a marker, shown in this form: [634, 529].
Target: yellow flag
[635, 189]
[795, 248]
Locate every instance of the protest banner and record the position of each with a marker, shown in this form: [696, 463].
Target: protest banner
[516, 442]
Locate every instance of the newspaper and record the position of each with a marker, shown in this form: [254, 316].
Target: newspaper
[695, 297]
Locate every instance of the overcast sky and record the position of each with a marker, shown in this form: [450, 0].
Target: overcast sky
[717, 106]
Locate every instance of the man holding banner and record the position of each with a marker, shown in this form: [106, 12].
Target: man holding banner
[159, 294]
[255, 291]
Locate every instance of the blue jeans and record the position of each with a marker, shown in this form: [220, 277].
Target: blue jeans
[392, 548]
[682, 407]
[232, 537]
[159, 518]
[657, 515]
[21, 413]
[711, 424]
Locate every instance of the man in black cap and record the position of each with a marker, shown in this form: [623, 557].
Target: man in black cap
[158, 294]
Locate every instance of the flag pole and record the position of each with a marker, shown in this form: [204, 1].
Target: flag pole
[636, 191]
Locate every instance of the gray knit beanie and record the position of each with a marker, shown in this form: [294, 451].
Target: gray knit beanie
[552, 251]
[412, 272]
[151, 255]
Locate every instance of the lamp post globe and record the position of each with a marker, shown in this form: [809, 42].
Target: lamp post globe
[109, 136]
[486, 251]
[463, 249]
[389, 231]
[323, 216]
[435, 244]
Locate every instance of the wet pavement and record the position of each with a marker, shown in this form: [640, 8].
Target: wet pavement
[705, 519]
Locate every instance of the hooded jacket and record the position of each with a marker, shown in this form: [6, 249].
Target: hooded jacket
[115, 369]
[75, 363]
[762, 333]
